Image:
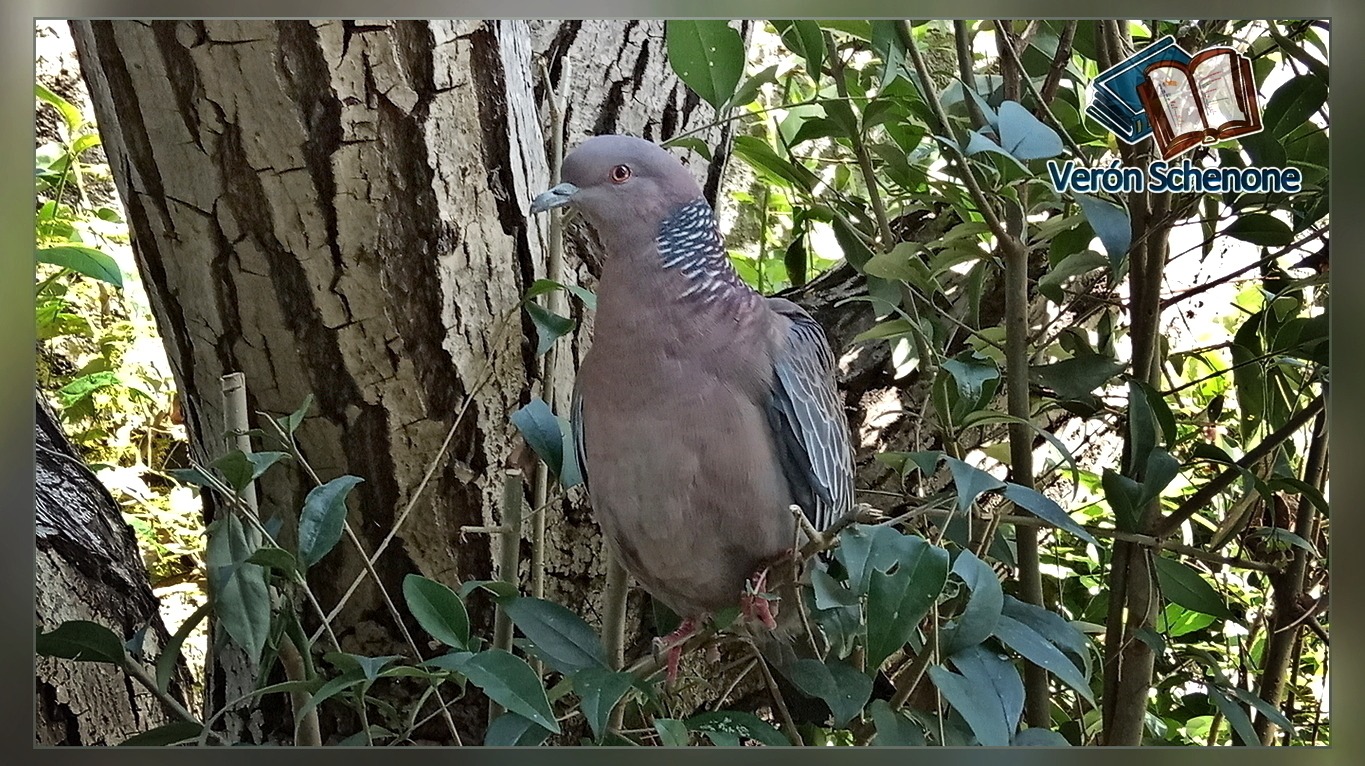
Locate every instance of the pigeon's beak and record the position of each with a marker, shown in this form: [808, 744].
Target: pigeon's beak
[557, 197]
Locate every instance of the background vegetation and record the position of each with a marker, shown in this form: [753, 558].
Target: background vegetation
[1115, 534]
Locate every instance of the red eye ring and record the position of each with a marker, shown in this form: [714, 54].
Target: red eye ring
[620, 174]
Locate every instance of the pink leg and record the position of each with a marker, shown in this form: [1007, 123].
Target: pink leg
[753, 603]
[673, 644]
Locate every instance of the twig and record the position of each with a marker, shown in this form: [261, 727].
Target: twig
[778, 701]
[507, 564]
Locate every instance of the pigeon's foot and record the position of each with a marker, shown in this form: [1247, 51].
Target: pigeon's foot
[673, 645]
[755, 603]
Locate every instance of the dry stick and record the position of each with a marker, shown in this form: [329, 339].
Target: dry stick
[1059, 62]
[778, 700]
[368, 565]
[307, 730]
[1200, 499]
[507, 564]
[874, 193]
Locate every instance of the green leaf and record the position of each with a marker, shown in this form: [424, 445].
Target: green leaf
[512, 730]
[1124, 497]
[1073, 265]
[1268, 710]
[1075, 377]
[1043, 653]
[1053, 628]
[238, 590]
[84, 386]
[856, 251]
[70, 114]
[275, 558]
[1260, 229]
[166, 661]
[190, 476]
[1112, 225]
[970, 482]
[550, 326]
[454, 661]
[995, 678]
[542, 430]
[977, 705]
[894, 729]
[1284, 537]
[1293, 103]
[438, 610]
[81, 640]
[510, 682]
[564, 640]
[760, 155]
[829, 594]
[747, 93]
[739, 724]
[897, 602]
[672, 732]
[1046, 509]
[600, 689]
[353, 677]
[972, 372]
[687, 142]
[241, 468]
[805, 39]
[866, 547]
[1039, 737]
[843, 688]
[901, 263]
[324, 518]
[707, 55]
[290, 423]
[1236, 715]
[977, 621]
[83, 260]
[169, 734]
[1183, 585]
[499, 588]
[1024, 136]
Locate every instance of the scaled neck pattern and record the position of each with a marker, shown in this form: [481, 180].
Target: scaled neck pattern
[690, 242]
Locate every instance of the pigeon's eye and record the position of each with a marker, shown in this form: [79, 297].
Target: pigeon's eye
[620, 174]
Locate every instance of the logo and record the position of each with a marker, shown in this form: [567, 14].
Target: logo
[1181, 102]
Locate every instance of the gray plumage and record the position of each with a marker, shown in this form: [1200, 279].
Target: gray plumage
[702, 411]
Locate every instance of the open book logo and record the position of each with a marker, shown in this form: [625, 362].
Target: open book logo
[1182, 101]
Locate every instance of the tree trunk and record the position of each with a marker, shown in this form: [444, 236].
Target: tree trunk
[88, 567]
[339, 209]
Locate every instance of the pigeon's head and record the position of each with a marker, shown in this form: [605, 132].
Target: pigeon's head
[622, 185]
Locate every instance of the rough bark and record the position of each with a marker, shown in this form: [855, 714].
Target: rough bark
[339, 208]
[88, 567]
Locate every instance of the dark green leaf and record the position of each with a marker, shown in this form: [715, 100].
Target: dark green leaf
[600, 689]
[510, 682]
[241, 468]
[83, 260]
[333, 687]
[541, 429]
[843, 688]
[1268, 710]
[970, 482]
[324, 518]
[746, 94]
[996, 677]
[1046, 509]
[1112, 225]
[829, 594]
[707, 55]
[565, 641]
[170, 653]
[856, 251]
[499, 589]
[1124, 497]
[169, 734]
[866, 547]
[1024, 136]
[290, 423]
[1293, 103]
[805, 39]
[1236, 715]
[1038, 737]
[512, 730]
[275, 558]
[1073, 265]
[979, 616]
[1075, 377]
[550, 326]
[450, 661]
[897, 602]
[190, 476]
[1043, 653]
[438, 610]
[1260, 229]
[1285, 537]
[894, 729]
[978, 706]
[972, 371]
[238, 590]
[1052, 627]
[81, 640]
[672, 732]
[737, 723]
[1183, 585]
